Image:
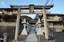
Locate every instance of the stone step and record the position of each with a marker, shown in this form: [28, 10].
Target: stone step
[18, 41]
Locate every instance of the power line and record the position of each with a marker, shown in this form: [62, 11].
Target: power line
[47, 1]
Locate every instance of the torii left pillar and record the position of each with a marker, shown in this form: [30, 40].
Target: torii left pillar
[17, 27]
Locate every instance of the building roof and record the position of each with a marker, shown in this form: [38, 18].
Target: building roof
[8, 8]
[53, 14]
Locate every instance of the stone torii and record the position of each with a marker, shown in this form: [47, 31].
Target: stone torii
[31, 9]
[16, 9]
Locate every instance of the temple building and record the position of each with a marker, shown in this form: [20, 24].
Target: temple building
[18, 27]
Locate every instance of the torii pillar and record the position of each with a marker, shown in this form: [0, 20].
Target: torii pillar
[45, 24]
[17, 26]
[46, 31]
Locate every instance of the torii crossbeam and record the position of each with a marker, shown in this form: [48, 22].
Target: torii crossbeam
[25, 9]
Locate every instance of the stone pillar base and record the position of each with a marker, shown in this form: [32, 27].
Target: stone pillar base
[17, 41]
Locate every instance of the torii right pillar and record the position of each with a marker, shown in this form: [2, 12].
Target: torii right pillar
[45, 25]
[46, 31]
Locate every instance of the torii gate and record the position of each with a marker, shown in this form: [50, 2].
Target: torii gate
[32, 9]
[29, 9]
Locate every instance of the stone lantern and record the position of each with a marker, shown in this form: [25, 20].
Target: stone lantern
[24, 31]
